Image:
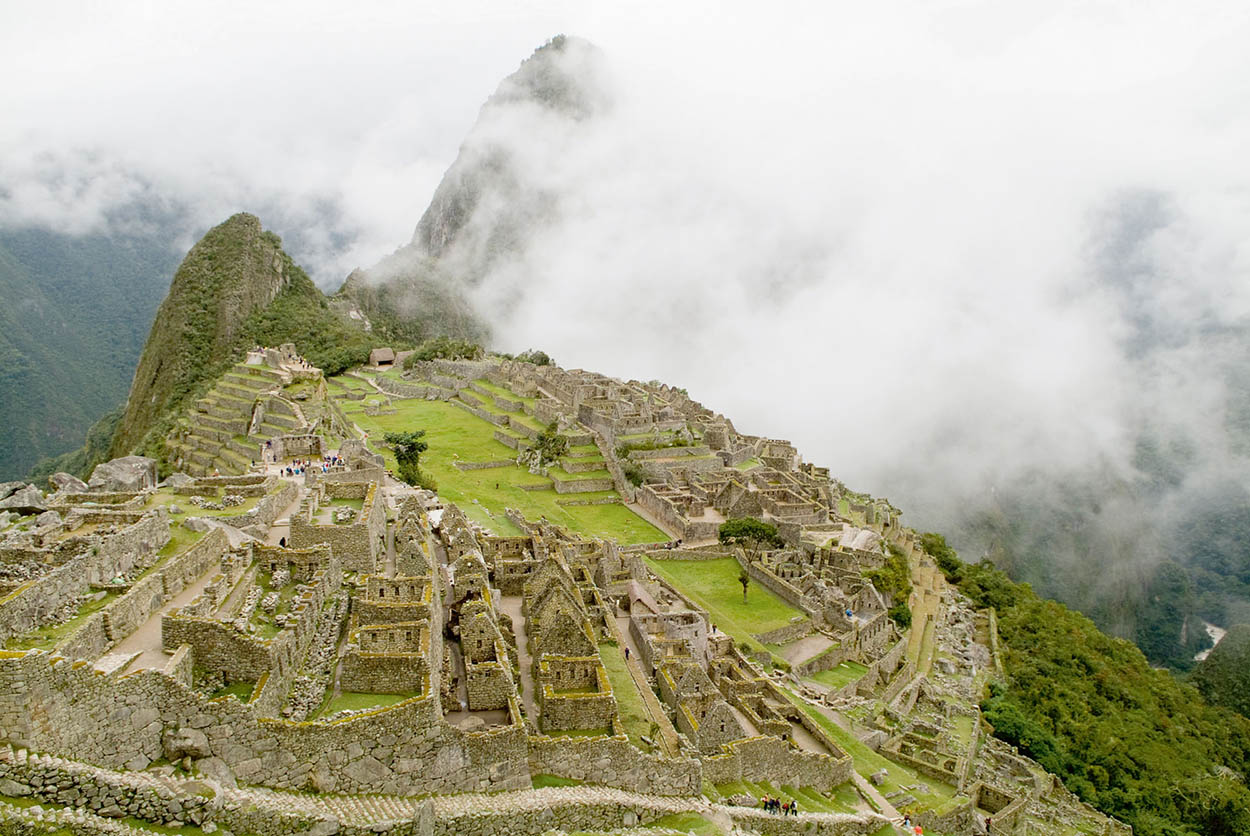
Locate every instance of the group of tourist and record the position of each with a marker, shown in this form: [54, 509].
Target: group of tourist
[778, 807]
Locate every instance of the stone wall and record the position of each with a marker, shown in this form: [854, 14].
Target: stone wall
[613, 762]
[49, 704]
[27, 607]
[384, 673]
[793, 631]
[583, 485]
[767, 759]
[110, 794]
[356, 545]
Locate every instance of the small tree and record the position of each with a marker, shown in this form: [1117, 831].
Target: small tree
[748, 531]
[745, 580]
[408, 448]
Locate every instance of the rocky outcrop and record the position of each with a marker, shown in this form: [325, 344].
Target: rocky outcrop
[67, 483]
[27, 500]
[128, 474]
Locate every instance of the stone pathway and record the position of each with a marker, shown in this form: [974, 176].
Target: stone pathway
[146, 641]
[511, 604]
[668, 735]
[800, 651]
[887, 809]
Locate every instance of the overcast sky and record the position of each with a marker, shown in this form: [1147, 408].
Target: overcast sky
[913, 222]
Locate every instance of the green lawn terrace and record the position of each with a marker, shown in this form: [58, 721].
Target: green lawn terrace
[713, 586]
[461, 441]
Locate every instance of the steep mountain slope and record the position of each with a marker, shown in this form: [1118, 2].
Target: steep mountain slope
[235, 288]
[1224, 676]
[490, 202]
[76, 309]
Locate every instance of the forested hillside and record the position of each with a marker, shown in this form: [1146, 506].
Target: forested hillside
[236, 288]
[1134, 741]
[74, 316]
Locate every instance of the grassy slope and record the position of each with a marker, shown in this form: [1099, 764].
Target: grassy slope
[457, 435]
[713, 585]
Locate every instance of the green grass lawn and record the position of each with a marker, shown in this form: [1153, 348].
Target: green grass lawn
[505, 393]
[844, 674]
[457, 435]
[691, 823]
[713, 585]
[355, 701]
[868, 762]
[241, 690]
[629, 702]
[543, 780]
[811, 800]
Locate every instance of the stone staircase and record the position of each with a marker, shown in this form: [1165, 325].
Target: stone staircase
[218, 434]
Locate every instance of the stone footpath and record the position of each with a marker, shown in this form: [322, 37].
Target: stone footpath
[87, 799]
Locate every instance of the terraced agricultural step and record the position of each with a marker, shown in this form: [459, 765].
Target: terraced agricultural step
[202, 459]
[247, 381]
[263, 372]
[224, 407]
[230, 390]
[582, 465]
[248, 449]
[280, 406]
[233, 426]
[200, 434]
[286, 422]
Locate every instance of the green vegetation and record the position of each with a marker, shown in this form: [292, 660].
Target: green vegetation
[354, 701]
[550, 444]
[868, 762]
[1133, 741]
[691, 823]
[77, 309]
[1224, 676]
[444, 348]
[843, 799]
[538, 358]
[841, 676]
[713, 585]
[455, 435]
[236, 288]
[893, 579]
[750, 532]
[49, 635]
[542, 780]
[242, 691]
[407, 448]
[409, 301]
[629, 703]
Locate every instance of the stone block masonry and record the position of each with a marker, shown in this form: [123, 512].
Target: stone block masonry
[28, 606]
[51, 705]
[357, 545]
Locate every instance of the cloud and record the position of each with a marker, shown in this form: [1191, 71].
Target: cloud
[937, 245]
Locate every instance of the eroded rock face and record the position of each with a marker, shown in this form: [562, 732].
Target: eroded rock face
[127, 474]
[67, 482]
